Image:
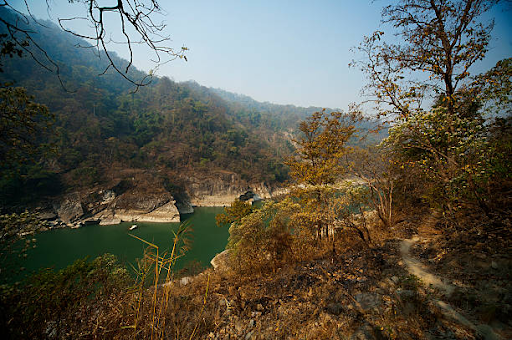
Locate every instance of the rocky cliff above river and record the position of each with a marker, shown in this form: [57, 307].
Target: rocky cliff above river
[109, 207]
[222, 188]
[142, 198]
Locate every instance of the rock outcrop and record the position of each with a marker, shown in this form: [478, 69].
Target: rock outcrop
[221, 261]
[128, 200]
[185, 207]
[167, 213]
[70, 209]
[223, 187]
[140, 206]
[142, 197]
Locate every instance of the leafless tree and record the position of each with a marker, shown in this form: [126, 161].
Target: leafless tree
[438, 42]
[136, 25]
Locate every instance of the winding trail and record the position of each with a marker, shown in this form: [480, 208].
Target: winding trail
[416, 268]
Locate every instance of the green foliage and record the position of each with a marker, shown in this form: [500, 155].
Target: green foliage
[324, 208]
[263, 240]
[297, 227]
[16, 237]
[458, 160]
[500, 148]
[257, 114]
[318, 208]
[9, 48]
[444, 155]
[374, 166]
[51, 304]
[22, 122]
[85, 175]
[440, 40]
[494, 87]
[234, 213]
[101, 127]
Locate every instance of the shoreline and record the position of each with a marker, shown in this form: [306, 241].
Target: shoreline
[57, 223]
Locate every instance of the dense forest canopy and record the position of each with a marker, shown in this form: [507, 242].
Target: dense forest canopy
[102, 125]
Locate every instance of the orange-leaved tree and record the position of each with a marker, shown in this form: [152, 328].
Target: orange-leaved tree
[322, 145]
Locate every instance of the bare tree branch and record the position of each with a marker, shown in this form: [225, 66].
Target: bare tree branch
[136, 24]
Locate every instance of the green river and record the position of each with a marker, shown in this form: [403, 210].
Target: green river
[61, 247]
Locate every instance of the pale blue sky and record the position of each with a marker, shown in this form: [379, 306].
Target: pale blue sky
[281, 51]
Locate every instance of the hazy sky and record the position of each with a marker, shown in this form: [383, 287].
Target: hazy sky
[286, 52]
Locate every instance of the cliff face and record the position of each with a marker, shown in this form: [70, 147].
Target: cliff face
[221, 188]
[134, 199]
[70, 209]
[137, 206]
[140, 197]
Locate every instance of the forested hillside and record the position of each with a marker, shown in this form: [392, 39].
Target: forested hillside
[102, 124]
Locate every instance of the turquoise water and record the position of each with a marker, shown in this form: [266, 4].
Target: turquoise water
[60, 248]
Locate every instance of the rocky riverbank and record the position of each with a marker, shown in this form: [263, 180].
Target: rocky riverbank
[223, 188]
[137, 200]
[110, 207]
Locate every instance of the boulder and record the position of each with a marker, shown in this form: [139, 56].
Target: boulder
[140, 206]
[71, 208]
[185, 280]
[168, 213]
[47, 216]
[110, 221]
[221, 261]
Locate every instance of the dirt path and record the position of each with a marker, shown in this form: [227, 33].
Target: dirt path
[415, 267]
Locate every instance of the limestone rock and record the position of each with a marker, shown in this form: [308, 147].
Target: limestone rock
[185, 207]
[70, 209]
[223, 187]
[47, 216]
[137, 206]
[221, 260]
[166, 213]
[110, 221]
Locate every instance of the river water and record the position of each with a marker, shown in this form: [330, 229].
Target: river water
[60, 248]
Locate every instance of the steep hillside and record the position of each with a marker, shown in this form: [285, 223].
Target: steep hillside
[104, 130]
[174, 142]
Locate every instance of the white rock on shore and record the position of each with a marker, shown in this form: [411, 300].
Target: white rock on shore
[167, 213]
[110, 221]
[221, 260]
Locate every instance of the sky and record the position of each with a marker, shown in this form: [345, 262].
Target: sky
[280, 51]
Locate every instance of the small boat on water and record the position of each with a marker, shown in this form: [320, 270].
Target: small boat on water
[133, 227]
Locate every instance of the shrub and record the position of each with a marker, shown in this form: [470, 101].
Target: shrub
[57, 304]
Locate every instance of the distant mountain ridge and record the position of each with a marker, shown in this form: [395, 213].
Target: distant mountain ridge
[173, 130]
[181, 135]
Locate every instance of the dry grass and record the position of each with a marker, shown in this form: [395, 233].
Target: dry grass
[312, 293]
